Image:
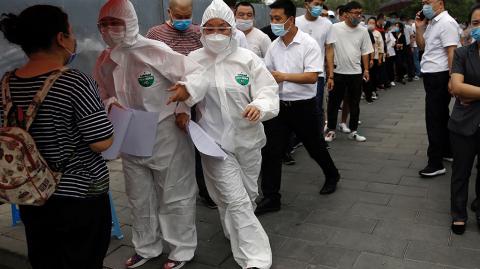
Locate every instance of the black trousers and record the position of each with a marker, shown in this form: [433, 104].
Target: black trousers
[68, 233]
[352, 86]
[301, 118]
[400, 64]
[410, 64]
[437, 115]
[464, 149]
[390, 66]
[202, 188]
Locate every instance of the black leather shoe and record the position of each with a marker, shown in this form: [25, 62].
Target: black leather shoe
[330, 186]
[459, 228]
[267, 205]
[474, 205]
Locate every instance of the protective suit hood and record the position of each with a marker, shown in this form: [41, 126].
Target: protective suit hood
[124, 10]
[219, 10]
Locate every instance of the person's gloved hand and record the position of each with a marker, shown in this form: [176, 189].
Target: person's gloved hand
[182, 120]
[180, 93]
[251, 113]
[114, 104]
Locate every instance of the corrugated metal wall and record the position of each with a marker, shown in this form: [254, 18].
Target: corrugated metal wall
[83, 17]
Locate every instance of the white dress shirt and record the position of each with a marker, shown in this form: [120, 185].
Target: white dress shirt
[300, 56]
[441, 32]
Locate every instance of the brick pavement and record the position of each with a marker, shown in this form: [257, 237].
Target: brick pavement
[382, 216]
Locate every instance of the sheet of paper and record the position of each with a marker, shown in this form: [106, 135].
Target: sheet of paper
[204, 143]
[140, 137]
[120, 119]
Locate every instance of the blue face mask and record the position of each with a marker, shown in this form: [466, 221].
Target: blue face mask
[181, 25]
[428, 11]
[355, 21]
[475, 34]
[315, 11]
[278, 29]
[72, 56]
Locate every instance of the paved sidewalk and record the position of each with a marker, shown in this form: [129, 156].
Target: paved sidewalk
[382, 216]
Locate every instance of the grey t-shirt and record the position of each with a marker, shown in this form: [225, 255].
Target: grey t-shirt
[465, 119]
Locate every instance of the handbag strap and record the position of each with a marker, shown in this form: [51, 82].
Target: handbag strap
[37, 99]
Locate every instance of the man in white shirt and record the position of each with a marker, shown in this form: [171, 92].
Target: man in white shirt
[409, 33]
[320, 29]
[352, 47]
[294, 59]
[438, 40]
[239, 36]
[416, 53]
[258, 42]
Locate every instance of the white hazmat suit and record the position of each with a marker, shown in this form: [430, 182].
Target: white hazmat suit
[161, 189]
[237, 78]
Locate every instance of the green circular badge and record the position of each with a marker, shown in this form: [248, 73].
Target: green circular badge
[146, 79]
[242, 79]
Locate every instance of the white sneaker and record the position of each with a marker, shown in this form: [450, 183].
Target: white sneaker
[416, 78]
[342, 127]
[374, 96]
[355, 136]
[393, 84]
[330, 136]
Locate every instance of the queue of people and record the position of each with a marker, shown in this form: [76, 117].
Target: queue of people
[253, 91]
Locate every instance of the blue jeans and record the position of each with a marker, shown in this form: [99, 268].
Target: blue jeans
[416, 61]
[320, 93]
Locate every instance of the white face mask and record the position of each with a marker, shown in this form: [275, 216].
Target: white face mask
[217, 43]
[114, 35]
[244, 25]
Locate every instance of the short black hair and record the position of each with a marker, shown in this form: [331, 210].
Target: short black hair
[230, 3]
[401, 26]
[388, 24]
[325, 7]
[472, 10]
[372, 18]
[245, 4]
[341, 10]
[288, 7]
[380, 16]
[35, 28]
[352, 5]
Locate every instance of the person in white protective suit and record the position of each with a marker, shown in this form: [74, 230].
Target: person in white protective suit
[137, 73]
[241, 93]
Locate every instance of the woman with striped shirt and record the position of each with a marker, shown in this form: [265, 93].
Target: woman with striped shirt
[72, 229]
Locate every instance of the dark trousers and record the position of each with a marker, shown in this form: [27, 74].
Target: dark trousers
[350, 85]
[464, 149]
[202, 188]
[299, 117]
[410, 63]
[390, 66]
[320, 94]
[400, 64]
[437, 99]
[68, 233]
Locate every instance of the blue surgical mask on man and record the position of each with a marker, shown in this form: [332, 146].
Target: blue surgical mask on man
[475, 33]
[181, 25]
[428, 11]
[278, 29]
[315, 11]
[355, 21]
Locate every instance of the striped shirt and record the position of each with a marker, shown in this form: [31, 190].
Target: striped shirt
[70, 118]
[182, 42]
